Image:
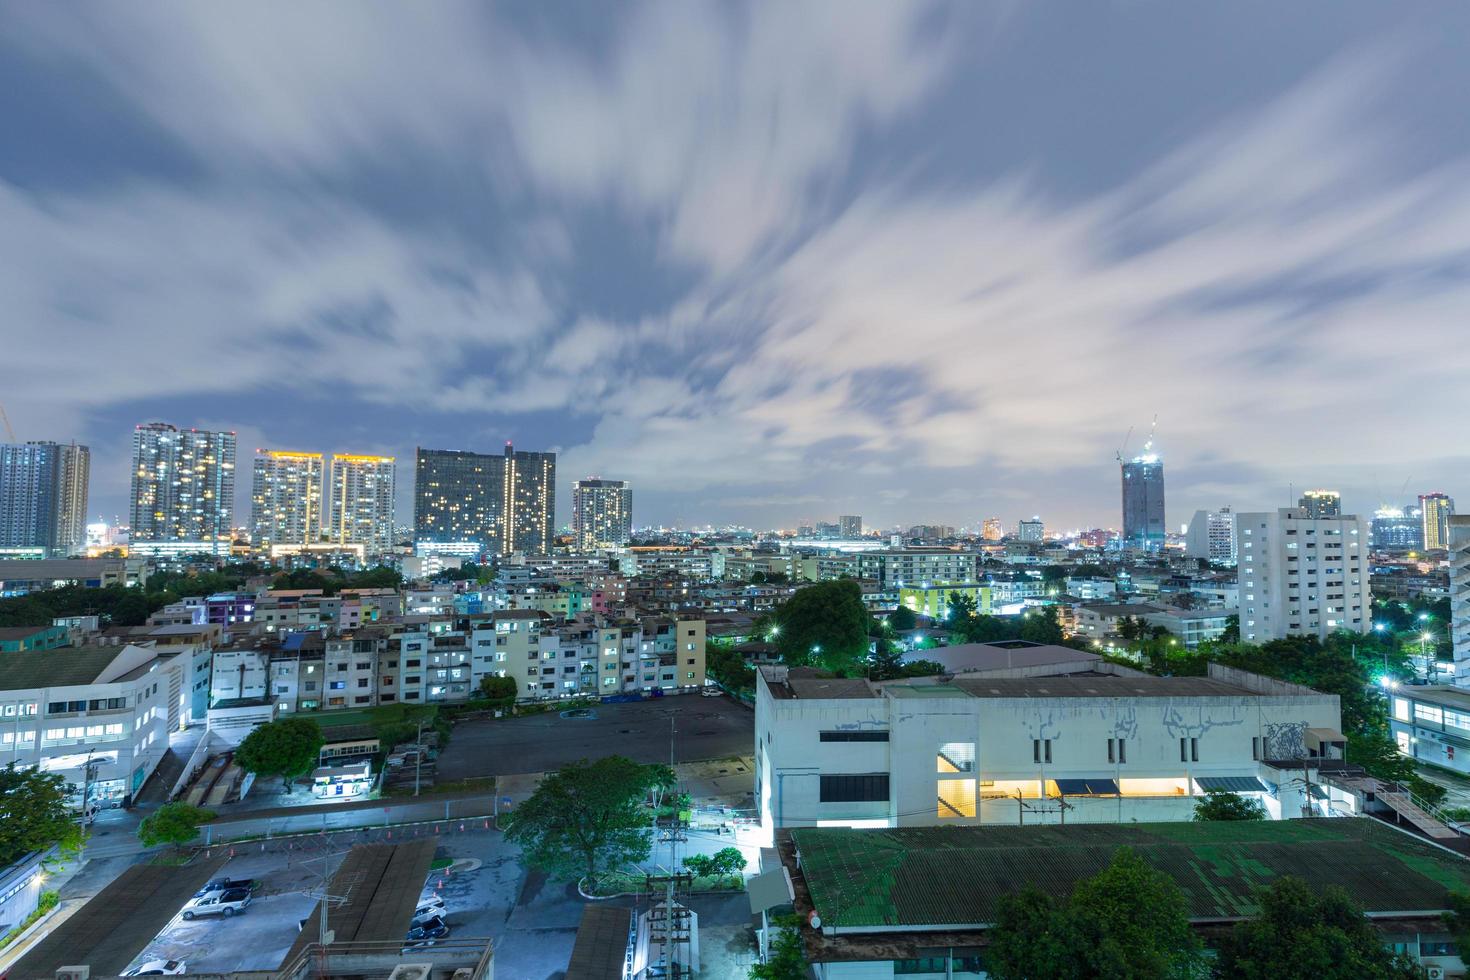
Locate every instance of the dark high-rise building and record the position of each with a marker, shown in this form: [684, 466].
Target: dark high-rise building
[503, 503]
[1321, 503]
[1143, 502]
[43, 496]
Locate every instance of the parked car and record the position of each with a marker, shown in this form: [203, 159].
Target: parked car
[225, 903]
[710, 692]
[427, 913]
[157, 968]
[431, 928]
[224, 884]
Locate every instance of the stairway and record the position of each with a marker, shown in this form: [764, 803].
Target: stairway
[1408, 810]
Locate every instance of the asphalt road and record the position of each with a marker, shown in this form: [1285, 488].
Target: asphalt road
[704, 728]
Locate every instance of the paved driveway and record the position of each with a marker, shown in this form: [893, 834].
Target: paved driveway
[704, 728]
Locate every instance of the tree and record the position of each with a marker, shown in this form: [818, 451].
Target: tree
[1300, 934]
[1217, 804]
[824, 624]
[1128, 920]
[173, 823]
[289, 748]
[902, 618]
[35, 812]
[724, 862]
[786, 959]
[1033, 937]
[588, 818]
[499, 691]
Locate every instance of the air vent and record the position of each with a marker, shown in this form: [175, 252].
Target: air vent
[411, 971]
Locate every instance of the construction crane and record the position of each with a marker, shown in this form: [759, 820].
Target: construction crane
[9, 432]
[1119, 454]
[1149, 446]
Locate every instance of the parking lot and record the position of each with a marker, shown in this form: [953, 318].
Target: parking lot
[704, 728]
[533, 920]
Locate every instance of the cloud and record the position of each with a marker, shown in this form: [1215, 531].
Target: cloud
[403, 210]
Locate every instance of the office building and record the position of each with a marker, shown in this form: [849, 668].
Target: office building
[1143, 502]
[362, 490]
[43, 496]
[602, 514]
[1395, 530]
[285, 499]
[501, 503]
[991, 529]
[1321, 503]
[1301, 576]
[1211, 536]
[1006, 744]
[850, 525]
[1031, 530]
[183, 486]
[1436, 508]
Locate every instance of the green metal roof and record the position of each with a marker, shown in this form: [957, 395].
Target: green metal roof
[923, 877]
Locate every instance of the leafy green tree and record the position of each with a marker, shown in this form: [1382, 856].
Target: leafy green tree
[289, 748]
[1217, 804]
[1128, 920]
[961, 608]
[588, 818]
[1458, 919]
[729, 669]
[727, 861]
[902, 618]
[1300, 934]
[1033, 937]
[35, 813]
[500, 691]
[824, 624]
[1042, 626]
[173, 823]
[786, 959]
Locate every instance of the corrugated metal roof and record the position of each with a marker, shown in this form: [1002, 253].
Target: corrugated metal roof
[924, 877]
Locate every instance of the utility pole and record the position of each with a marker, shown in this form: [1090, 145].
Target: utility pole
[418, 756]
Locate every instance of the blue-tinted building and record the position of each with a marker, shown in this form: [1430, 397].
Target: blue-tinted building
[1143, 502]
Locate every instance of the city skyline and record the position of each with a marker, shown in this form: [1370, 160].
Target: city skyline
[806, 286]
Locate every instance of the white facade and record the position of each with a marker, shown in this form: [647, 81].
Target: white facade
[602, 514]
[119, 718]
[1211, 536]
[362, 502]
[1459, 545]
[1027, 746]
[285, 499]
[1301, 576]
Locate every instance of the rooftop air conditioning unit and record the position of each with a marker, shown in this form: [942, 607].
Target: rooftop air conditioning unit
[411, 971]
[1434, 973]
[73, 973]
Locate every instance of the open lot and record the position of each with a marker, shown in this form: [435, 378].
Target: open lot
[704, 728]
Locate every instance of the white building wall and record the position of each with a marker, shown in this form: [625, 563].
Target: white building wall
[1301, 576]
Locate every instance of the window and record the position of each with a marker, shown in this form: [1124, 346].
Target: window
[956, 798]
[1041, 750]
[860, 736]
[362, 682]
[336, 685]
[1122, 751]
[411, 663]
[923, 964]
[865, 788]
[955, 757]
[1256, 748]
[1428, 712]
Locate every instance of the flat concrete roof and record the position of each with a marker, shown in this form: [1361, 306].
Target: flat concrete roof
[1097, 685]
[962, 657]
[118, 922]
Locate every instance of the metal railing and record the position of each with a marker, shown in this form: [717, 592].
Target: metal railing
[372, 957]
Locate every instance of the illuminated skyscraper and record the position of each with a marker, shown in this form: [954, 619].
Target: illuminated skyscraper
[991, 529]
[1321, 503]
[1143, 501]
[602, 514]
[1437, 508]
[503, 503]
[1031, 530]
[1394, 530]
[362, 490]
[43, 496]
[286, 498]
[851, 525]
[1211, 536]
[183, 485]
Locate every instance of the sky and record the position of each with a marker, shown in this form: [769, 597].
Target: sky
[923, 262]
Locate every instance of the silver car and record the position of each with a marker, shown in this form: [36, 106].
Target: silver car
[225, 903]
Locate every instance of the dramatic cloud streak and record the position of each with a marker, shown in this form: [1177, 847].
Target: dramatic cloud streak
[767, 262]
